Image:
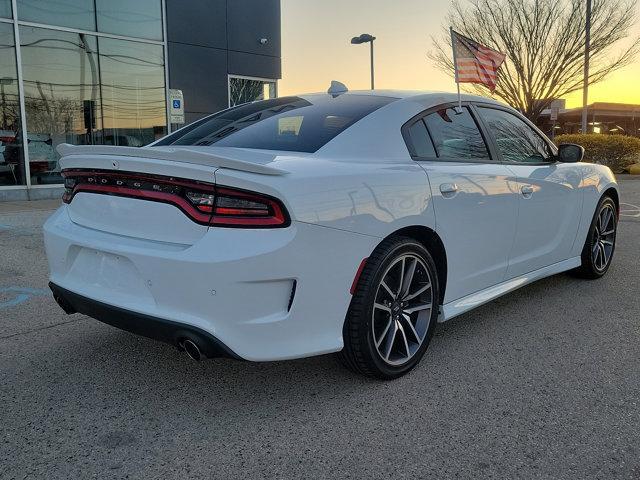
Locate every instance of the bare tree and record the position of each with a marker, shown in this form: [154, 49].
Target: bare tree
[544, 41]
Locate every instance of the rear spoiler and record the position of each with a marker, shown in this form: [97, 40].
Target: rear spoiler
[180, 154]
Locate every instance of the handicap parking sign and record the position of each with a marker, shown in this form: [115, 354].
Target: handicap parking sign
[176, 100]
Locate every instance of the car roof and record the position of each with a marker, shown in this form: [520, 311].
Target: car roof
[409, 95]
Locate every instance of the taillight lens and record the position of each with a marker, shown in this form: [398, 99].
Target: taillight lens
[239, 208]
[202, 202]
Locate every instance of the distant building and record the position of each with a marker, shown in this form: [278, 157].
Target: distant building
[602, 117]
[98, 72]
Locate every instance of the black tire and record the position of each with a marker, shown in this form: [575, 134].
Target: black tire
[360, 353]
[590, 268]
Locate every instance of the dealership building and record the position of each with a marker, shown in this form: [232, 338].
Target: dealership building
[105, 72]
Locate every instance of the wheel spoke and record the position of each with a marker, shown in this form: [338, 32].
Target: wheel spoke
[407, 320]
[386, 287]
[607, 242]
[605, 254]
[603, 259]
[391, 338]
[384, 333]
[417, 308]
[607, 218]
[422, 289]
[404, 339]
[407, 277]
[401, 279]
[380, 306]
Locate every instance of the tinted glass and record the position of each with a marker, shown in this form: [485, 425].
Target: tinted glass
[132, 18]
[516, 140]
[456, 135]
[66, 13]
[11, 152]
[289, 123]
[5, 8]
[133, 92]
[62, 96]
[420, 141]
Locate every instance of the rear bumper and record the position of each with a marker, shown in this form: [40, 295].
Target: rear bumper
[270, 294]
[166, 331]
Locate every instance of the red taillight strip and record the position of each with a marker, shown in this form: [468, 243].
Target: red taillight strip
[184, 205]
[274, 216]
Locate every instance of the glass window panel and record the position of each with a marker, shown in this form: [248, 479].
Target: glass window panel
[133, 92]
[5, 8]
[243, 90]
[456, 135]
[65, 13]
[139, 18]
[62, 96]
[516, 140]
[11, 152]
[287, 123]
[421, 143]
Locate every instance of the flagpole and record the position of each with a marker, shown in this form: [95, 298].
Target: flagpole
[455, 68]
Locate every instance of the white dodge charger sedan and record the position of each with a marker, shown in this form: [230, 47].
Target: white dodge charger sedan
[345, 222]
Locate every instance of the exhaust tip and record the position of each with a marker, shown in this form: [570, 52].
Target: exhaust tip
[192, 350]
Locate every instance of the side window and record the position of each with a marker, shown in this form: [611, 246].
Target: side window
[421, 144]
[516, 140]
[456, 135]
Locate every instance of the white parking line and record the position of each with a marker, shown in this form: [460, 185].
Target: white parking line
[629, 210]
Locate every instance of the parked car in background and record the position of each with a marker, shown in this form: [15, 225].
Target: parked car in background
[345, 222]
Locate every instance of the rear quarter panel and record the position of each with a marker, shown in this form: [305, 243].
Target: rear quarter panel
[370, 198]
[596, 180]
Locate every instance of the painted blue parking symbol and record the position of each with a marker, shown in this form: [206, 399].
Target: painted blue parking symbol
[176, 104]
[17, 295]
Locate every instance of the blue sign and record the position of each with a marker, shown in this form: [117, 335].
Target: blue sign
[176, 104]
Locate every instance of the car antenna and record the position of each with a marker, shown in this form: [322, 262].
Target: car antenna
[337, 88]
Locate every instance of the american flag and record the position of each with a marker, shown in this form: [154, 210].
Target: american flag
[475, 63]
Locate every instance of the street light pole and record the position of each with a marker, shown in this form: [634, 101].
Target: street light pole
[366, 38]
[585, 86]
[372, 75]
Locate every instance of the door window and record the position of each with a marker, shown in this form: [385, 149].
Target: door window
[516, 141]
[456, 136]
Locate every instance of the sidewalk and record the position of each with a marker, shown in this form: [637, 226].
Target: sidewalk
[29, 206]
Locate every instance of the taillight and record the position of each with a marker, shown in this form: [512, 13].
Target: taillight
[239, 208]
[202, 202]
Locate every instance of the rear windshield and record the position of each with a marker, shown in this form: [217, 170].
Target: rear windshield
[287, 123]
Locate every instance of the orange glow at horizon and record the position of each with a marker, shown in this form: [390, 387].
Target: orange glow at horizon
[316, 49]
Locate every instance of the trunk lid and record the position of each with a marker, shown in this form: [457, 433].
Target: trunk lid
[149, 192]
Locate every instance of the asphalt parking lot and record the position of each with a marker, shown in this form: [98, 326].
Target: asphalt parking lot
[542, 383]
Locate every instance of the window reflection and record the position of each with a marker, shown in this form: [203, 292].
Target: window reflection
[456, 135]
[5, 8]
[65, 13]
[516, 140]
[139, 18]
[11, 152]
[62, 96]
[243, 90]
[133, 92]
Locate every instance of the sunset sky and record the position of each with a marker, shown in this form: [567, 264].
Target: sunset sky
[316, 48]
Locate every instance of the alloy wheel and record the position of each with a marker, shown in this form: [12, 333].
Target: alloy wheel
[604, 238]
[402, 310]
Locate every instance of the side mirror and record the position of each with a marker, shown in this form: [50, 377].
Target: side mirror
[570, 153]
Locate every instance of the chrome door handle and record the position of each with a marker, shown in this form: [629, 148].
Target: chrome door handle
[527, 190]
[449, 188]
